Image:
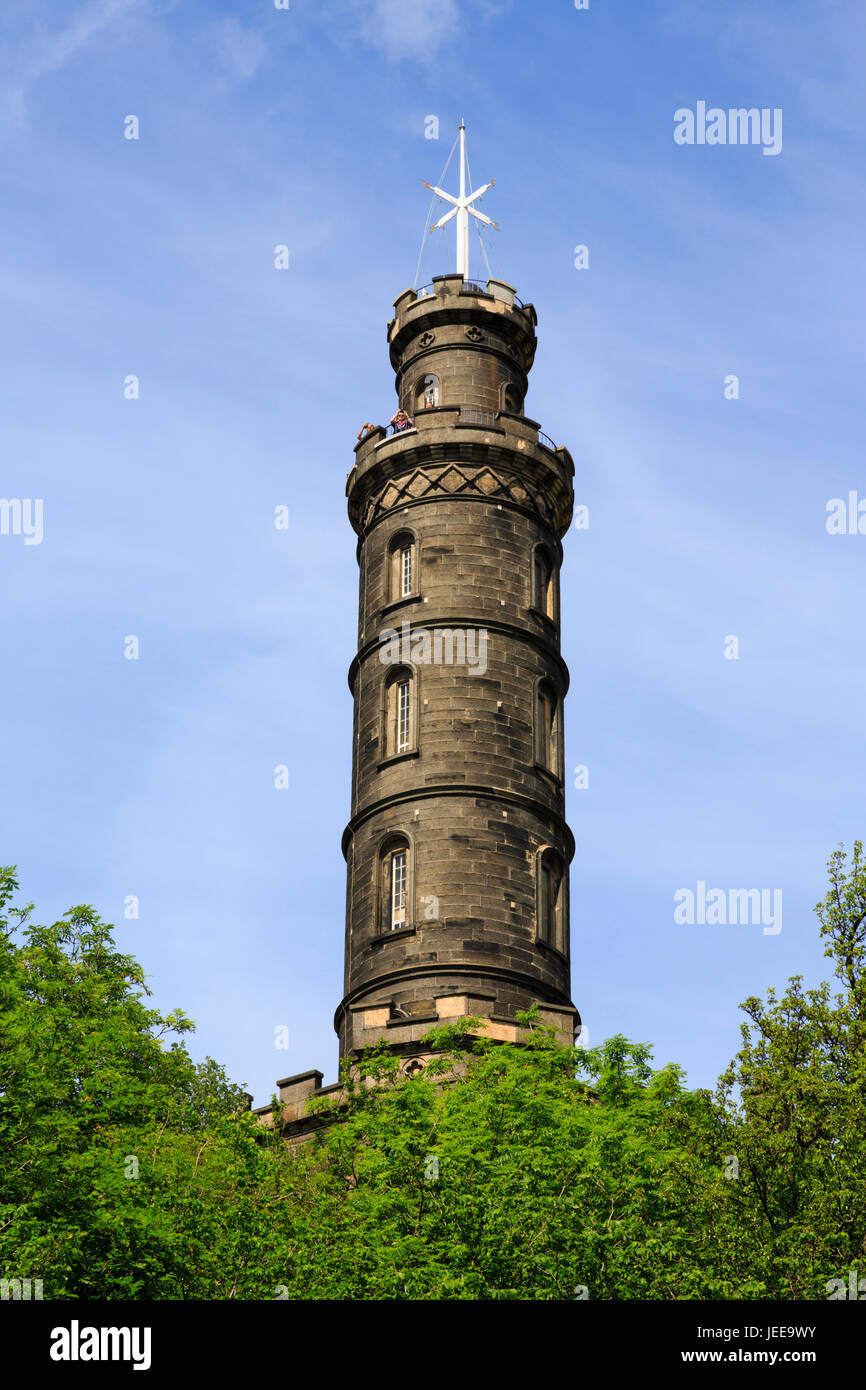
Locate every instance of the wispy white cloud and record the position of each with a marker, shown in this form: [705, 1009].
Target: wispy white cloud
[408, 28]
[45, 51]
[240, 51]
[820, 49]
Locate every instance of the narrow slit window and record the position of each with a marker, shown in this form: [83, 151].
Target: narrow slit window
[399, 713]
[544, 584]
[510, 399]
[427, 392]
[401, 578]
[406, 571]
[550, 899]
[547, 727]
[397, 904]
[404, 715]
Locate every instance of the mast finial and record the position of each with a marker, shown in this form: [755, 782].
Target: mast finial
[461, 208]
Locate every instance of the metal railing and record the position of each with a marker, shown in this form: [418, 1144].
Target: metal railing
[469, 415]
[476, 415]
[474, 285]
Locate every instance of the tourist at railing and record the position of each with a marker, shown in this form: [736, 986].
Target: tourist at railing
[469, 414]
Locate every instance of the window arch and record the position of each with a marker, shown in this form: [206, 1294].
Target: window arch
[548, 721]
[400, 712]
[510, 399]
[544, 577]
[427, 392]
[402, 578]
[395, 884]
[551, 899]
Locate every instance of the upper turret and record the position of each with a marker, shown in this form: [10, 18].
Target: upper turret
[461, 354]
[461, 343]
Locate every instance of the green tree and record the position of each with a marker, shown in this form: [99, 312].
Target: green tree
[499, 1172]
[548, 1177]
[102, 1127]
[790, 1110]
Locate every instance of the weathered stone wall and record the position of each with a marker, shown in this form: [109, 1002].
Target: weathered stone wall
[477, 495]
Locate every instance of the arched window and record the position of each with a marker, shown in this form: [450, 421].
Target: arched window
[427, 392]
[510, 400]
[547, 727]
[544, 582]
[399, 712]
[394, 884]
[551, 895]
[402, 567]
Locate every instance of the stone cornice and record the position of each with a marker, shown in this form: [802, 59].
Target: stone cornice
[458, 620]
[549, 993]
[516, 468]
[467, 790]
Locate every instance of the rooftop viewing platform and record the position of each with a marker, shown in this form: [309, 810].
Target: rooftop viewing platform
[498, 289]
[457, 435]
[456, 417]
[449, 296]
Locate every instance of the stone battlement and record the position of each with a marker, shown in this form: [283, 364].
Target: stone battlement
[380, 1022]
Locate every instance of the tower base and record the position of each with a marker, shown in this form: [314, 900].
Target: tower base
[378, 1023]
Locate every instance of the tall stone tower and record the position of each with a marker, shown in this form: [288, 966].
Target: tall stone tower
[457, 849]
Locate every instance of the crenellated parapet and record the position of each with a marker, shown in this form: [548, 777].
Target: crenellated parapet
[487, 335]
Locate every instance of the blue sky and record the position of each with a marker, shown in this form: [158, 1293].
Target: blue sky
[155, 257]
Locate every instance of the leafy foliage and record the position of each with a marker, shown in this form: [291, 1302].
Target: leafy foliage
[499, 1172]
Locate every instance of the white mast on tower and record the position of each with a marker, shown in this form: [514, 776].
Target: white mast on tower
[461, 207]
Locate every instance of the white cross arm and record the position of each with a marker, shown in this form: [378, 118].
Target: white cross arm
[443, 220]
[482, 189]
[461, 206]
[482, 217]
[440, 193]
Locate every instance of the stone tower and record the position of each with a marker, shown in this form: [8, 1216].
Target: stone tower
[457, 849]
